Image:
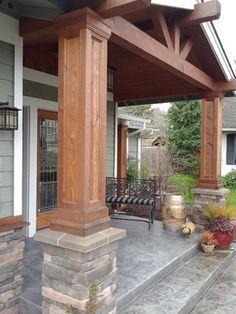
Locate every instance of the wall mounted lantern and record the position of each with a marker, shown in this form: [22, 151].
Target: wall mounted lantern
[8, 117]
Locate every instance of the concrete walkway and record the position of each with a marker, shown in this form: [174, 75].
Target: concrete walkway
[221, 297]
[179, 291]
[144, 258]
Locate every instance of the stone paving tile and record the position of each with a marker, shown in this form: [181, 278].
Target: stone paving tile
[139, 255]
[173, 293]
[221, 297]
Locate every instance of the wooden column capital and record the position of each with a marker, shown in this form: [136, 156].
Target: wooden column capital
[70, 24]
[211, 96]
[81, 207]
[211, 138]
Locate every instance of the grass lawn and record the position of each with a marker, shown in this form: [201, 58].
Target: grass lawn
[231, 199]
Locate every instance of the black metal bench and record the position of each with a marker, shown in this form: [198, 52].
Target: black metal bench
[131, 192]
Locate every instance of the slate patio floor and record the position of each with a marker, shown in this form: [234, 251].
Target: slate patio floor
[143, 258]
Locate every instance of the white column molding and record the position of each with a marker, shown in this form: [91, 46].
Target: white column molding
[18, 134]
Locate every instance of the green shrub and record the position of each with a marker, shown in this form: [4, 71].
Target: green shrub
[132, 168]
[230, 180]
[145, 170]
[186, 183]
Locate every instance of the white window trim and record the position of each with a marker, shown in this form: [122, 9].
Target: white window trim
[34, 104]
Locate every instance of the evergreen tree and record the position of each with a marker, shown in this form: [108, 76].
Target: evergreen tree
[184, 136]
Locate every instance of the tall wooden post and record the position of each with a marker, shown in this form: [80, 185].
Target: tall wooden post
[211, 133]
[83, 37]
[122, 151]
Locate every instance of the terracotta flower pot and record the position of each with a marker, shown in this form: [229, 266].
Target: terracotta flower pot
[224, 239]
[207, 248]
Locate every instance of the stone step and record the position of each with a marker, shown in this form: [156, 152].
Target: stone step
[181, 290]
[156, 276]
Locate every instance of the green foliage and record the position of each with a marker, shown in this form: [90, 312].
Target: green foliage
[214, 210]
[186, 183]
[231, 201]
[230, 180]
[70, 309]
[145, 170]
[132, 168]
[93, 290]
[184, 136]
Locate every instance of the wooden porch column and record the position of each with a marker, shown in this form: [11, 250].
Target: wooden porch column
[122, 151]
[83, 37]
[211, 138]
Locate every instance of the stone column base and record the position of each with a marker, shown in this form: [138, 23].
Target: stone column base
[208, 196]
[11, 268]
[79, 273]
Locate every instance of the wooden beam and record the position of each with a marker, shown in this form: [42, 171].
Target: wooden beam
[110, 8]
[226, 86]
[176, 39]
[37, 32]
[159, 22]
[186, 48]
[133, 39]
[203, 12]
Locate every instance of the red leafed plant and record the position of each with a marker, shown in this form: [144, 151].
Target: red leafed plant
[222, 224]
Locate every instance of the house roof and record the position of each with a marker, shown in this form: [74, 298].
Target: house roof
[229, 113]
[141, 47]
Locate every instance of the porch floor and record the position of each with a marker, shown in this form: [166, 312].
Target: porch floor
[143, 258]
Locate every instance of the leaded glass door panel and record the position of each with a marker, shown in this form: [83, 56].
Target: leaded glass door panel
[47, 166]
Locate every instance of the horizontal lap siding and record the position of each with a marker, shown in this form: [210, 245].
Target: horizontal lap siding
[133, 147]
[110, 149]
[6, 138]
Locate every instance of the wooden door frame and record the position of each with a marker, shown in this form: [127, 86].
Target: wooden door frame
[42, 219]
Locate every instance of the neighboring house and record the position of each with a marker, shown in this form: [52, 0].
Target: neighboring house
[136, 125]
[229, 135]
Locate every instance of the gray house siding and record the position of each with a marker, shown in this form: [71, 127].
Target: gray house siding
[6, 137]
[110, 148]
[133, 146]
[38, 90]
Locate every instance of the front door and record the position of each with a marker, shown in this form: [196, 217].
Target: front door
[47, 167]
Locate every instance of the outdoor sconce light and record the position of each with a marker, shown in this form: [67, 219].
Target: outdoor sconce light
[8, 117]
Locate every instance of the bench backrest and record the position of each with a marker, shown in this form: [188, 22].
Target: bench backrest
[130, 187]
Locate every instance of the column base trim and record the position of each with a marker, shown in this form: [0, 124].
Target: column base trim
[12, 223]
[78, 243]
[210, 184]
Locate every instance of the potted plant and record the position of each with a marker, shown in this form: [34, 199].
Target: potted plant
[223, 230]
[208, 242]
[219, 219]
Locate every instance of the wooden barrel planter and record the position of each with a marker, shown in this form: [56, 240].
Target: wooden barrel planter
[173, 212]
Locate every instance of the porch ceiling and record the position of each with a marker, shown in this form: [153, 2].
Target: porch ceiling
[138, 79]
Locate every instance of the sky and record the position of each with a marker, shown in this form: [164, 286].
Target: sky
[226, 29]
